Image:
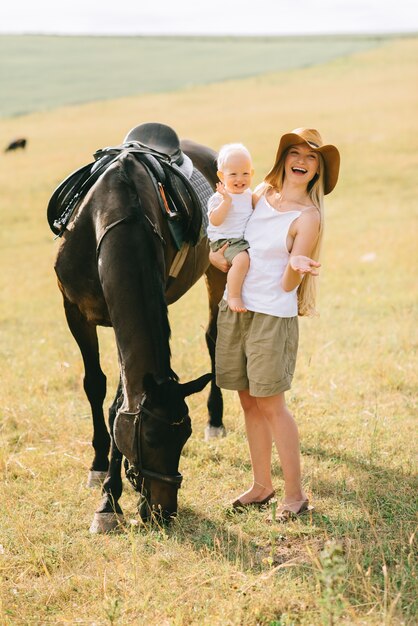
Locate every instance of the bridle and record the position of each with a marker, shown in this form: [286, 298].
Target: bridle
[136, 471]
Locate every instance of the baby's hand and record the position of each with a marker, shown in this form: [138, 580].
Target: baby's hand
[304, 265]
[220, 188]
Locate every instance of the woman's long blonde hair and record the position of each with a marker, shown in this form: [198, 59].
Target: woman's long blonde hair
[274, 180]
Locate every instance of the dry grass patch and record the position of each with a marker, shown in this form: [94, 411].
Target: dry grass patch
[352, 561]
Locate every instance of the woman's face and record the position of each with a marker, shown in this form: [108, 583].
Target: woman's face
[301, 164]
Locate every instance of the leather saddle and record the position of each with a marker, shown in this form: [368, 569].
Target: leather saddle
[159, 137]
[157, 147]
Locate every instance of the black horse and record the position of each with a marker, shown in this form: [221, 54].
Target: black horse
[120, 263]
[16, 144]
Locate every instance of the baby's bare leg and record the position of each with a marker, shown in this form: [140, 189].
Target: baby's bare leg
[236, 275]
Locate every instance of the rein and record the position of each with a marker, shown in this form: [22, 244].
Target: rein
[136, 470]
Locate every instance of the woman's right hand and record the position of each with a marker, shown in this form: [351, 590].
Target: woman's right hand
[218, 260]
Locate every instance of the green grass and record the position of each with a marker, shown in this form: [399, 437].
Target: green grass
[43, 72]
[354, 395]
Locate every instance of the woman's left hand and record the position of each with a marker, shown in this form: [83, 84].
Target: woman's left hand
[304, 265]
[218, 260]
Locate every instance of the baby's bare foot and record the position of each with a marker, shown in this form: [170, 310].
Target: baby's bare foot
[236, 304]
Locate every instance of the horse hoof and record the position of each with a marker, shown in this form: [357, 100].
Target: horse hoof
[106, 522]
[95, 479]
[213, 432]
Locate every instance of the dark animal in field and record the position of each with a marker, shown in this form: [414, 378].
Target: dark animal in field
[16, 144]
[131, 244]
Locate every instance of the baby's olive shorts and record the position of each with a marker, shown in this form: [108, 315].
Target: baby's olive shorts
[235, 247]
[255, 351]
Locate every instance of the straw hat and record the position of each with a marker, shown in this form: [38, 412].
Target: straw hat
[313, 139]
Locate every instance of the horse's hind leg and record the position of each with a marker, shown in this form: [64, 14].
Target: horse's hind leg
[85, 335]
[215, 283]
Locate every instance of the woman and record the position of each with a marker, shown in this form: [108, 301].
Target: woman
[256, 350]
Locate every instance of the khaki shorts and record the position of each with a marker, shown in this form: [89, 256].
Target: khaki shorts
[235, 247]
[255, 351]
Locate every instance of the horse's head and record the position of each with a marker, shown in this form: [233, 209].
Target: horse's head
[163, 428]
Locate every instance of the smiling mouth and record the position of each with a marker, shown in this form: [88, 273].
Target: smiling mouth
[299, 169]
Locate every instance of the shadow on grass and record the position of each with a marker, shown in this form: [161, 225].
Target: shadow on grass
[374, 517]
[244, 539]
[376, 513]
[374, 504]
[369, 513]
[380, 492]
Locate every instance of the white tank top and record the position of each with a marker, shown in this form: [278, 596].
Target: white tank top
[266, 232]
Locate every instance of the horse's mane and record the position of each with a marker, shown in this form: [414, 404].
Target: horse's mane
[153, 284]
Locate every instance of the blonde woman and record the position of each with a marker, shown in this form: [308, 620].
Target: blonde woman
[256, 350]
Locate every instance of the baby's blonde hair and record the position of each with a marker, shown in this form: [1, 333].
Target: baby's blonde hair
[274, 180]
[228, 149]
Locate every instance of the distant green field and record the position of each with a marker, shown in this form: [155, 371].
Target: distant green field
[43, 72]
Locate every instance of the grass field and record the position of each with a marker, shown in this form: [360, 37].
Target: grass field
[354, 394]
[41, 72]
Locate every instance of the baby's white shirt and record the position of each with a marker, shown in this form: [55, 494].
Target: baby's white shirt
[234, 224]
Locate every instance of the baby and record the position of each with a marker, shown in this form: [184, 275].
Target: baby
[229, 210]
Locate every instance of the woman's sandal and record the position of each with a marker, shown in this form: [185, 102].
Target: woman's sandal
[237, 504]
[287, 514]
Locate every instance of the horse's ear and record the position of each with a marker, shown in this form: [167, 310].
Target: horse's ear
[150, 384]
[194, 386]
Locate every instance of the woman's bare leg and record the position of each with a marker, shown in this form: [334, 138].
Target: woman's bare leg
[260, 445]
[286, 437]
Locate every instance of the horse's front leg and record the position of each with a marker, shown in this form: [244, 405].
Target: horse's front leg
[85, 335]
[215, 283]
[109, 515]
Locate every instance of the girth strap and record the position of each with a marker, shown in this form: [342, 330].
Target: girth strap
[179, 261]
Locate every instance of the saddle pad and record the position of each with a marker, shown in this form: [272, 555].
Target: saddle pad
[203, 191]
